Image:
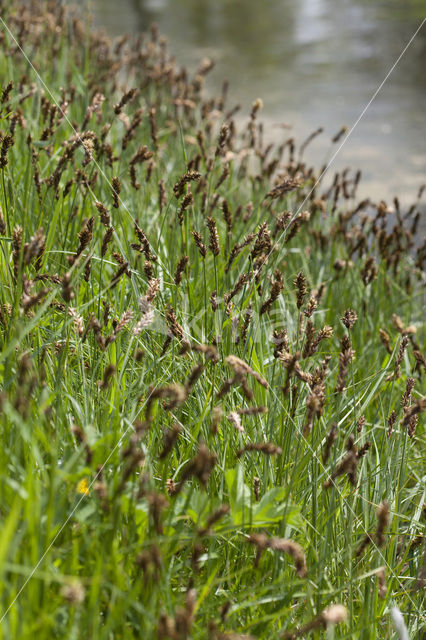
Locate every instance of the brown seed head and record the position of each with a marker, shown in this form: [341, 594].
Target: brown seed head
[349, 318]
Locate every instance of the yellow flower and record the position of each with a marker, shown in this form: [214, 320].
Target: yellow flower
[83, 487]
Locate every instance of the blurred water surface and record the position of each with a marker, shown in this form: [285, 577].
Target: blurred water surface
[314, 63]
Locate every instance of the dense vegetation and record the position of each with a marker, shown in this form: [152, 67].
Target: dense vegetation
[211, 361]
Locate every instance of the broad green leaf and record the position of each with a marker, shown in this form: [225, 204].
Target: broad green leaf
[239, 496]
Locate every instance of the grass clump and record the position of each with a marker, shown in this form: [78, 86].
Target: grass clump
[211, 361]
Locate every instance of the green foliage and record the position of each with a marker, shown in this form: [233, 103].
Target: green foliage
[166, 463]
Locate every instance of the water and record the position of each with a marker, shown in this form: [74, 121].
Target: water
[314, 63]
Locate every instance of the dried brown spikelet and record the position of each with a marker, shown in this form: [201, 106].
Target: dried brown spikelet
[150, 561]
[29, 301]
[188, 200]
[280, 342]
[339, 265]
[213, 301]
[162, 198]
[227, 215]
[391, 422]
[248, 313]
[126, 317]
[223, 134]
[7, 142]
[334, 614]
[314, 405]
[226, 387]
[214, 236]
[309, 139]
[397, 322]
[147, 317]
[199, 467]
[256, 488]
[332, 435]
[360, 424]
[256, 106]
[367, 540]
[311, 306]
[123, 269]
[349, 318]
[416, 408]
[241, 282]
[2, 224]
[241, 367]
[294, 226]
[153, 128]
[116, 188]
[108, 373]
[173, 324]
[223, 176]
[104, 215]
[67, 292]
[94, 325]
[287, 185]
[369, 271]
[381, 579]
[237, 248]
[6, 92]
[290, 363]
[77, 321]
[252, 411]
[345, 357]
[126, 98]
[85, 235]
[34, 249]
[406, 398]
[189, 176]
[199, 243]
[312, 341]
[142, 154]
[174, 393]
[106, 240]
[170, 486]
[400, 355]
[277, 287]
[282, 220]
[268, 448]
[16, 247]
[309, 339]
[382, 522]
[156, 503]
[301, 288]
[148, 270]
[217, 415]
[263, 244]
[181, 266]
[196, 372]
[246, 391]
[133, 178]
[362, 451]
[213, 518]
[170, 437]
[262, 541]
[384, 337]
[208, 350]
[146, 249]
[347, 466]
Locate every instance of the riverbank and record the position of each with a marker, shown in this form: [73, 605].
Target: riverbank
[314, 64]
[212, 363]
